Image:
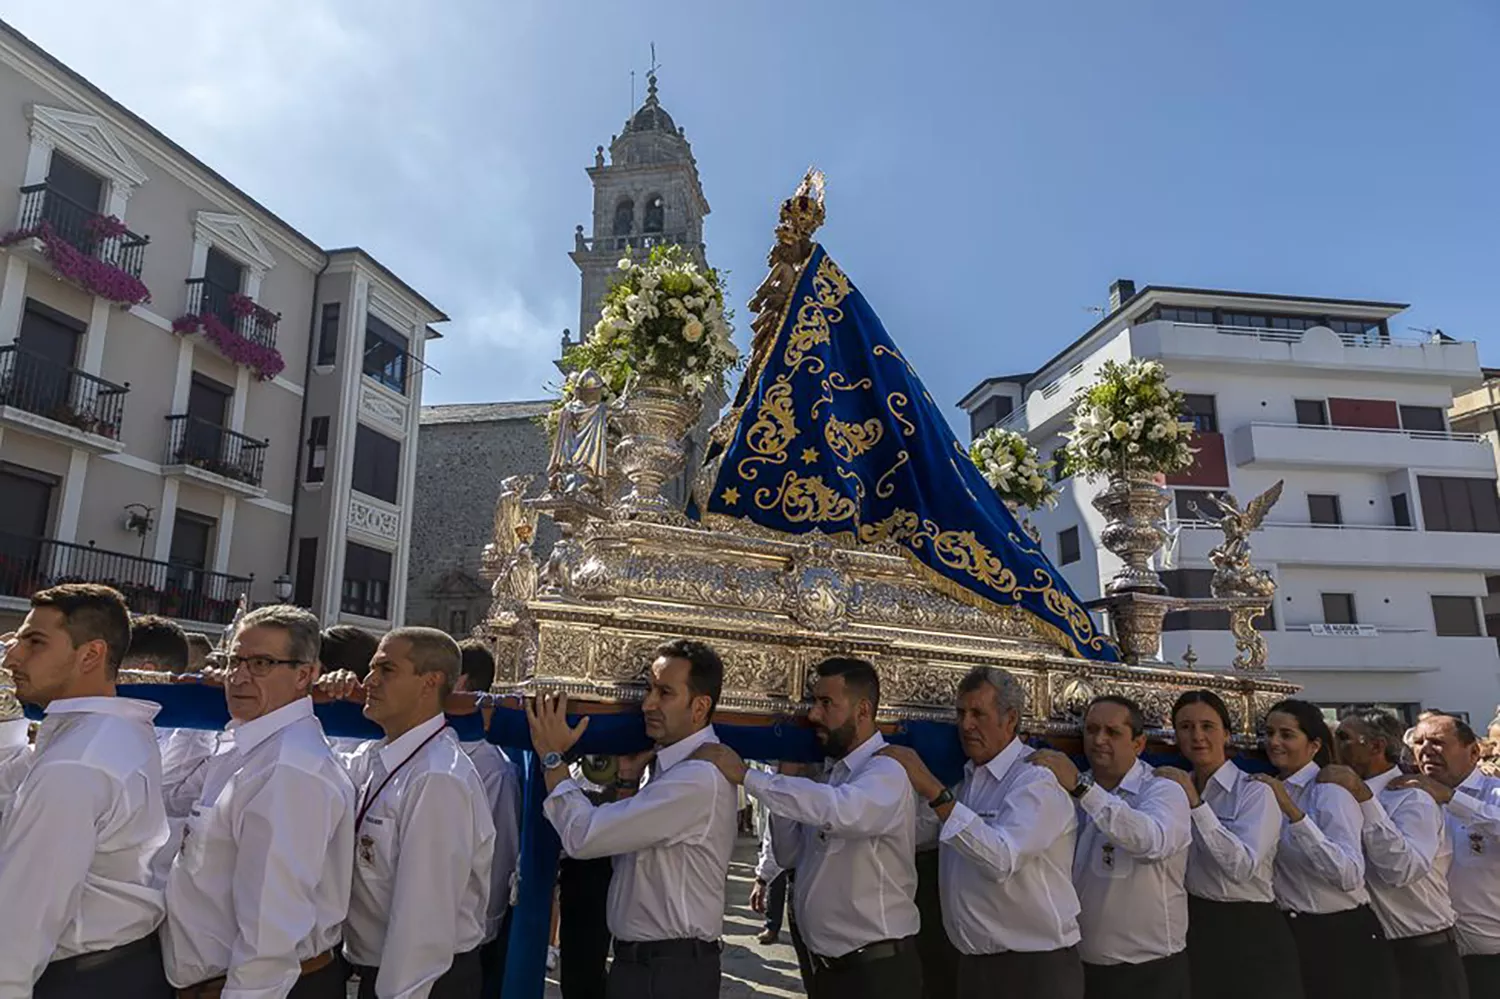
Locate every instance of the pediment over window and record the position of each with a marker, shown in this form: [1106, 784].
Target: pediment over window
[235, 235]
[90, 140]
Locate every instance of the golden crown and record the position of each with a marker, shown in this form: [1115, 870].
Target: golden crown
[802, 213]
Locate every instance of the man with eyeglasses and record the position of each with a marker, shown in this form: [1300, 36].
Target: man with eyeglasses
[257, 896]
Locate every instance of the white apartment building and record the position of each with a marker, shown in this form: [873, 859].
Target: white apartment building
[1389, 522]
[248, 427]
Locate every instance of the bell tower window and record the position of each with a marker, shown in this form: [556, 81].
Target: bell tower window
[655, 215]
[624, 217]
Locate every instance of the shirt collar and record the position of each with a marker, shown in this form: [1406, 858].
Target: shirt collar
[1304, 776]
[859, 755]
[393, 753]
[1473, 782]
[1003, 761]
[1134, 778]
[669, 756]
[1226, 776]
[128, 708]
[248, 735]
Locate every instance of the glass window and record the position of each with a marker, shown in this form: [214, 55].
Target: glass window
[1427, 418]
[377, 464]
[1400, 510]
[367, 581]
[317, 449]
[1196, 504]
[1201, 411]
[1192, 583]
[1312, 412]
[1456, 616]
[1324, 509]
[1067, 546]
[1060, 463]
[385, 354]
[307, 571]
[1459, 504]
[1338, 608]
[328, 334]
[989, 413]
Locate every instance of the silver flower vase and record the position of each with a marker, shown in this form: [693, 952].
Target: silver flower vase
[655, 416]
[1134, 508]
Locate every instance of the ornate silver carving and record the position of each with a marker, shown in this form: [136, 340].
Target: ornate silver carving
[1234, 576]
[655, 415]
[1133, 507]
[817, 588]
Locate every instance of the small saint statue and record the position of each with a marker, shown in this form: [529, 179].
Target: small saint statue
[580, 445]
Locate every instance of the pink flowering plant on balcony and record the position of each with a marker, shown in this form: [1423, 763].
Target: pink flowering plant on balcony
[267, 362]
[85, 269]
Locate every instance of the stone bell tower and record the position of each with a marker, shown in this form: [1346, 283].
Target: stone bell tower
[647, 194]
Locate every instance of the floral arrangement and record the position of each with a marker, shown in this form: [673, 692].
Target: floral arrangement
[89, 272]
[246, 308]
[1126, 423]
[267, 362]
[663, 318]
[1013, 468]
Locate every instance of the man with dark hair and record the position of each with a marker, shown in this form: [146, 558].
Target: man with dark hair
[502, 790]
[157, 644]
[671, 840]
[256, 899]
[1407, 855]
[347, 647]
[80, 910]
[424, 839]
[1448, 753]
[1130, 865]
[851, 835]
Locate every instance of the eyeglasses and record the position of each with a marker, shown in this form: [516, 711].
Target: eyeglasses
[256, 666]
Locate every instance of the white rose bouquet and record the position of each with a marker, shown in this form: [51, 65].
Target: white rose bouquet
[663, 318]
[1128, 423]
[1013, 468]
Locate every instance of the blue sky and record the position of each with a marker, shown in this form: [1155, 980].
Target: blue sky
[991, 165]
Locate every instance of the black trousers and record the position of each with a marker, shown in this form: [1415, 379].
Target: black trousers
[1164, 978]
[1343, 955]
[1054, 974]
[583, 929]
[804, 960]
[672, 969]
[492, 958]
[1483, 973]
[939, 956]
[776, 901]
[131, 971]
[896, 977]
[1428, 967]
[328, 982]
[1219, 934]
[464, 979]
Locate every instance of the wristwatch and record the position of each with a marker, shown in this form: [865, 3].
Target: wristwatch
[945, 797]
[552, 761]
[1081, 788]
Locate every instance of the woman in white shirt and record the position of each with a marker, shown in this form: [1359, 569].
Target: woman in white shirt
[1236, 825]
[1320, 864]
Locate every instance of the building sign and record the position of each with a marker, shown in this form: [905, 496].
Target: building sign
[1344, 630]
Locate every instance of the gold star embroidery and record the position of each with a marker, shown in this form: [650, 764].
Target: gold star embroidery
[810, 456]
[731, 496]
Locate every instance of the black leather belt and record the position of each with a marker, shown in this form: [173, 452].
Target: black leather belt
[641, 951]
[1434, 939]
[95, 960]
[877, 951]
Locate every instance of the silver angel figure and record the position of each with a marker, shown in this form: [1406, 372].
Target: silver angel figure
[1234, 575]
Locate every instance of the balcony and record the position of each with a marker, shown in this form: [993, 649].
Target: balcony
[1389, 650]
[633, 241]
[1291, 445]
[1349, 545]
[95, 236]
[40, 395]
[241, 316]
[199, 449]
[28, 564]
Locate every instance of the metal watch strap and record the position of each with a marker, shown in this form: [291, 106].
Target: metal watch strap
[944, 797]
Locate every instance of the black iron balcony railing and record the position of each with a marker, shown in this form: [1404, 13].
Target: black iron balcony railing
[252, 322]
[42, 386]
[28, 564]
[201, 444]
[84, 228]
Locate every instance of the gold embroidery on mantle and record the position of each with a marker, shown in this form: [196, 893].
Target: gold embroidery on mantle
[850, 440]
[807, 499]
[773, 431]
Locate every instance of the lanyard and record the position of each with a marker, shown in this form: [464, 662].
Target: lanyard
[359, 819]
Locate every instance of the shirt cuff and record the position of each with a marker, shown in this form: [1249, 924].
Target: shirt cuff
[1093, 800]
[958, 820]
[1204, 818]
[756, 781]
[1374, 812]
[568, 784]
[1305, 830]
[14, 732]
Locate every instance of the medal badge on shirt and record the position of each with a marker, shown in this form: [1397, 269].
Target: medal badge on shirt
[1476, 843]
[367, 850]
[1107, 857]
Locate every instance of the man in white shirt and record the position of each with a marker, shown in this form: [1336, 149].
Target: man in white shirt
[423, 836]
[1407, 855]
[1130, 864]
[1447, 751]
[1005, 853]
[502, 791]
[671, 840]
[78, 908]
[256, 898]
[851, 836]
